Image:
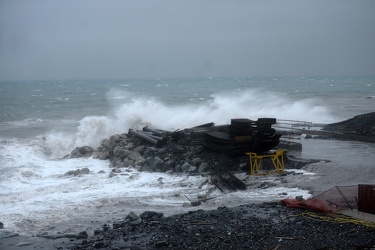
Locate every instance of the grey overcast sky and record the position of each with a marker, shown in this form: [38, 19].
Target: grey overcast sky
[112, 39]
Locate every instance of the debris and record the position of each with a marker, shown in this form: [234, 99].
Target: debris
[227, 181]
[156, 140]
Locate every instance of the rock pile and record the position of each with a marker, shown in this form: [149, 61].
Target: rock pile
[176, 155]
[179, 153]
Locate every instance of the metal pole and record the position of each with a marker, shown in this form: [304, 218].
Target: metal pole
[143, 136]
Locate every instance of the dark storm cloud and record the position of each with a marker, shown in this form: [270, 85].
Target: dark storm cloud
[122, 39]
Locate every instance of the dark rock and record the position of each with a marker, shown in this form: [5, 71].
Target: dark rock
[186, 167]
[135, 156]
[84, 151]
[112, 175]
[116, 171]
[151, 215]
[100, 155]
[360, 124]
[360, 127]
[121, 152]
[155, 162]
[78, 172]
[84, 171]
[196, 161]
[168, 165]
[132, 216]
[113, 141]
[203, 167]
[177, 168]
[161, 244]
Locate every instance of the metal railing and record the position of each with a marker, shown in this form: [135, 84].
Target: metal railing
[292, 129]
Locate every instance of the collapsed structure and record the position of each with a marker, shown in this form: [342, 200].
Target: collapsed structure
[241, 136]
[337, 199]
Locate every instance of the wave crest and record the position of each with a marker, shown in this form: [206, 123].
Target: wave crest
[138, 111]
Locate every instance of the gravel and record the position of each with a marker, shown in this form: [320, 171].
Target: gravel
[261, 226]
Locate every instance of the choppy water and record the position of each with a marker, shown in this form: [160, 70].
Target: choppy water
[40, 122]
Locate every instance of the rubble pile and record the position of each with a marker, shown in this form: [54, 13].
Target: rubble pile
[182, 151]
[193, 150]
[178, 153]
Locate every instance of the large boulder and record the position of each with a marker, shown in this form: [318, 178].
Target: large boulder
[121, 152]
[84, 151]
[155, 163]
[78, 172]
[101, 155]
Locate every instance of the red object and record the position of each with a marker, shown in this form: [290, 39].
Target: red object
[310, 204]
[366, 198]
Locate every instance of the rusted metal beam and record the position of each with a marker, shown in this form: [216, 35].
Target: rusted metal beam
[143, 136]
[151, 135]
[158, 141]
[147, 129]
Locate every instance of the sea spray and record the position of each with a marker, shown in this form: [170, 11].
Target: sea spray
[139, 111]
[42, 122]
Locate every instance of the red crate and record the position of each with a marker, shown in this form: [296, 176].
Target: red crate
[366, 198]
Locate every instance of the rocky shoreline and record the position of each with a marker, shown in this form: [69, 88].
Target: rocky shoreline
[358, 128]
[254, 226]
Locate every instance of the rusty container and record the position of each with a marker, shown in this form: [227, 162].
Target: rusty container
[366, 198]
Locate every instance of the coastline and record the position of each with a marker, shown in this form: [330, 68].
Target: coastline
[255, 226]
[259, 226]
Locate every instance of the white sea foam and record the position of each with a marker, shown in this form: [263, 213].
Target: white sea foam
[137, 112]
[35, 193]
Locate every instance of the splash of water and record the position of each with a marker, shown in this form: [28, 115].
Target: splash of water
[129, 111]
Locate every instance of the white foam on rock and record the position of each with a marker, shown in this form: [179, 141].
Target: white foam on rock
[33, 202]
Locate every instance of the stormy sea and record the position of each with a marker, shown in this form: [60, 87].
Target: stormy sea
[43, 121]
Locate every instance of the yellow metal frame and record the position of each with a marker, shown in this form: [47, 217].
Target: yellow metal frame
[256, 161]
